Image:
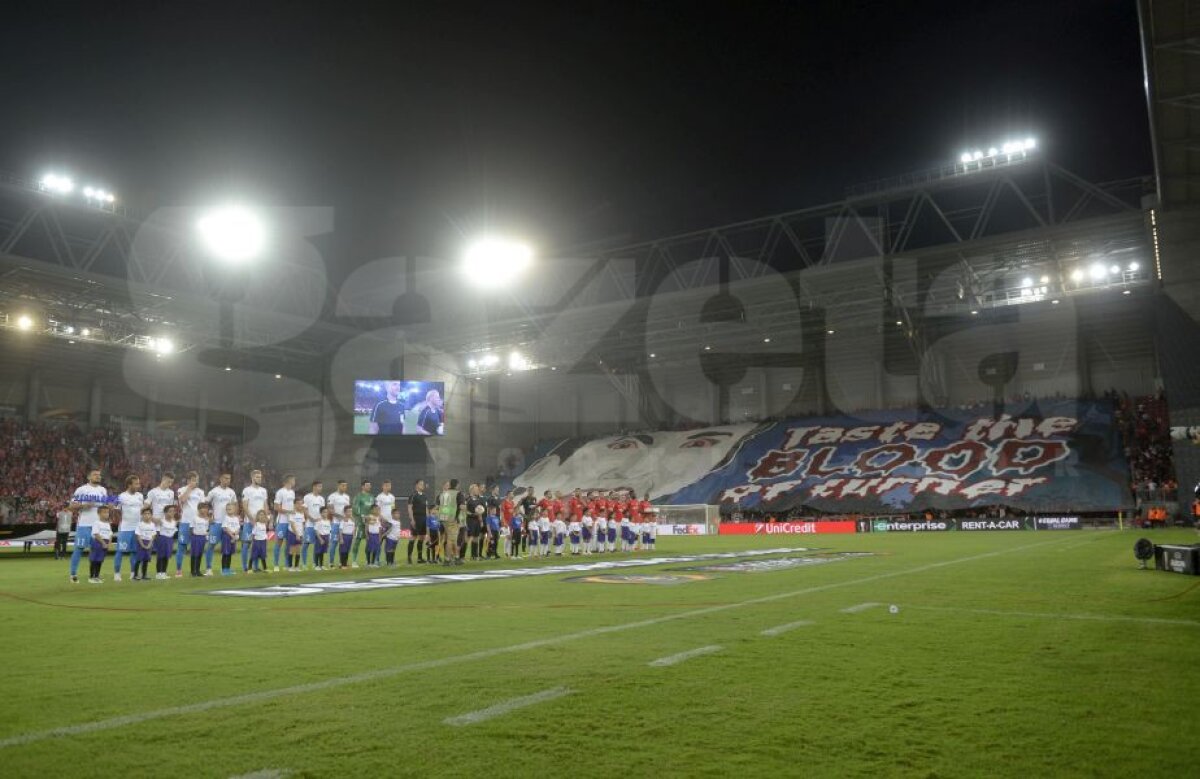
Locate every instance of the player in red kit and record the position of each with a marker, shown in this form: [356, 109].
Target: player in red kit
[506, 509]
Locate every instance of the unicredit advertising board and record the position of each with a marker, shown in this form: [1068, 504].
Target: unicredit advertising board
[787, 528]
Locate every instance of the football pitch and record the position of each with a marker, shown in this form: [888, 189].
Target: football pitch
[1011, 654]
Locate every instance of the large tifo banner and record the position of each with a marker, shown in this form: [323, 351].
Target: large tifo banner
[900, 525]
[1060, 457]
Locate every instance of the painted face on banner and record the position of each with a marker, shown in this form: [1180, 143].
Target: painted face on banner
[651, 464]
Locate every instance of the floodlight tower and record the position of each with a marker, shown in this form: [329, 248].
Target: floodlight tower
[234, 236]
[494, 261]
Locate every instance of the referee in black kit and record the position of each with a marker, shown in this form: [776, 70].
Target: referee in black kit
[418, 510]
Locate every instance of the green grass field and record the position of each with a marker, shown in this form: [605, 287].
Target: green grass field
[1013, 654]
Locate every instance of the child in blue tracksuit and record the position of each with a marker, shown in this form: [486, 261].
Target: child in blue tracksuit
[514, 535]
[492, 524]
[433, 526]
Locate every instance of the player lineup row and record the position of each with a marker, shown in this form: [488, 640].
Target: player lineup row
[189, 522]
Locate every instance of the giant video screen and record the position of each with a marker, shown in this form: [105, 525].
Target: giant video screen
[391, 407]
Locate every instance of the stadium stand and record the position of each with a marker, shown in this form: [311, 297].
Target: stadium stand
[1147, 436]
[1141, 422]
[42, 463]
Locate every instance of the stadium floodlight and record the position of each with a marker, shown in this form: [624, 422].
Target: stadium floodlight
[494, 261]
[164, 345]
[978, 155]
[232, 233]
[708, 348]
[99, 195]
[228, 368]
[279, 375]
[965, 158]
[1133, 267]
[992, 151]
[1077, 274]
[25, 322]
[1114, 269]
[1027, 281]
[471, 363]
[767, 340]
[1045, 279]
[974, 312]
[517, 362]
[830, 332]
[69, 329]
[1054, 302]
[85, 332]
[1097, 271]
[1030, 144]
[652, 355]
[61, 185]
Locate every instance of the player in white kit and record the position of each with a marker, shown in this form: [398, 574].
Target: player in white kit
[130, 502]
[314, 501]
[158, 498]
[219, 497]
[337, 502]
[285, 502]
[86, 500]
[254, 500]
[189, 497]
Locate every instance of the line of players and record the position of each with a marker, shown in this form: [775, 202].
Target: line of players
[586, 524]
[188, 522]
[483, 524]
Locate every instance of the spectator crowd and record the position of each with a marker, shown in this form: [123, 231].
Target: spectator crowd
[42, 463]
[1146, 434]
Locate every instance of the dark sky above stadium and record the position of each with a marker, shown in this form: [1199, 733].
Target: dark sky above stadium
[572, 123]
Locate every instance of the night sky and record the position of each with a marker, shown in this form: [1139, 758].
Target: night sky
[571, 123]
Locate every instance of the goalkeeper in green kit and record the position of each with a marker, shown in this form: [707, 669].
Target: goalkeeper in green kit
[359, 509]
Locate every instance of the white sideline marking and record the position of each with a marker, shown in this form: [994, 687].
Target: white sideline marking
[781, 629]
[483, 654]
[1048, 615]
[266, 773]
[504, 707]
[860, 607]
[663, 662]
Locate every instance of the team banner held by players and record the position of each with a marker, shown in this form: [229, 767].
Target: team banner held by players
[1056, 457]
